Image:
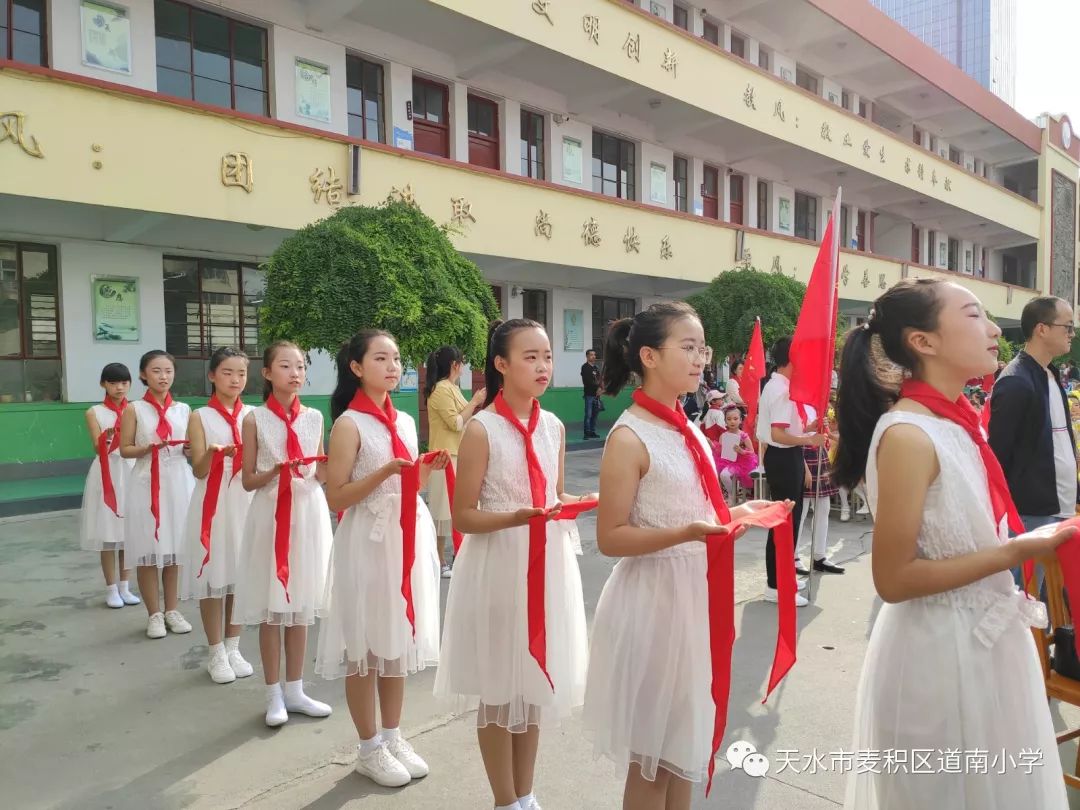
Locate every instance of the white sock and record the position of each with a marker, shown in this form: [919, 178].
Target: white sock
[232, 643]
[216, 648]
[294, 690]
[112, 597]
[111, 589]
[367, 746]
[389, 734]
[525, 801]
[125, 586]
[273, 691]
[514, 806]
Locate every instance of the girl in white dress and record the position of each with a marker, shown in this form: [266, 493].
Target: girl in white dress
[367, 635]
[220, 500]
[101, 524]
[154, 432]
[951, 663]
[287, 539]
[486, 661]
[648, 705]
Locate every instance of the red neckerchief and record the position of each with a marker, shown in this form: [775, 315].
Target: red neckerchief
[164, 433]
[294, 458]
[217, 472]
[410, 488]
[535, 587]
[106, 444]
[721, 578]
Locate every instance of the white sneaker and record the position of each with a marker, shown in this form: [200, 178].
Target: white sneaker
[219, 669]
[276, 714]
[446, 572]
[864, 509]
[845, 514]
[531, 804]
[306, 705]
[403, 752]
[801, 584]
[113, 598]
[155, 627]
[382, 768]
[176, 622]
[240, 667]
[772, 596]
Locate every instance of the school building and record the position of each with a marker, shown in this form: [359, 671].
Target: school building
[593, 156]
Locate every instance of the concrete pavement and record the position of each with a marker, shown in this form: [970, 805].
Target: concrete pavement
[94, 715]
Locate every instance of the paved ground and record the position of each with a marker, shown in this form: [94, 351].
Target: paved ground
[94, 715]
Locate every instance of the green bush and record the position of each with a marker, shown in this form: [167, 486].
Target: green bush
[387, 267]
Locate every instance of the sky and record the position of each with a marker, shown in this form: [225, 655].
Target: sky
[1048, 40]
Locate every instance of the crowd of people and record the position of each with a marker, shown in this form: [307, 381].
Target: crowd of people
[231, 504]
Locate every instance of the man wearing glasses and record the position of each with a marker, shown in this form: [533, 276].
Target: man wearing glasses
[1030, 430]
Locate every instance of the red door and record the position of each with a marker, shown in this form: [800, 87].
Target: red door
[710, 193]
[431, 117]
[860, 230]
[736, 212]
[483, 132]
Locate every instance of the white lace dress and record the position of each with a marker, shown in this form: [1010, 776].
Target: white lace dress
[366, 628]
[485, 656]
[260, 596]
[648, 699]
[174, 494]
[218, 576]
[957, 671]
[99, 527]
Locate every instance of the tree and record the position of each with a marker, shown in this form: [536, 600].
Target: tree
[733, 299]
[386, 267]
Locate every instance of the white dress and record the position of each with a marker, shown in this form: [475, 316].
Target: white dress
[260, 596]
[956, 671]
[485, 661]
[174, 494]
[648, 699]
[218, 576]
[366, 628]
[99, 527]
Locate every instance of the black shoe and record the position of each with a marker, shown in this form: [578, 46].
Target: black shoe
[802, 572]
[827, 567]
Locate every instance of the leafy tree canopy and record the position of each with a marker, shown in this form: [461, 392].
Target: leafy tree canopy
[386, 267]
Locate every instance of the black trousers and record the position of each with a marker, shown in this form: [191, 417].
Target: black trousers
[785, 470]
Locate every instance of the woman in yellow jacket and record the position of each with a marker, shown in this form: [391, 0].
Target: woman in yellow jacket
[447, 413]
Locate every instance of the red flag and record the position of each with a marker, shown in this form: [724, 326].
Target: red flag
[814, 344]
[750, 379]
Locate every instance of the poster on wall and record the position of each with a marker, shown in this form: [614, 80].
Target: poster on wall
[409, 382]
[572, 170]
[573, 330]
[106, 37]
[116, 308]
[312, 91]
[403, 139]
[658, 184]
[785, 214]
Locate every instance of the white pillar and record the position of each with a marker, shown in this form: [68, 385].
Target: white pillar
[750, 200]
[399, 82]
[510, 136]
[697, 175]
[459, 122]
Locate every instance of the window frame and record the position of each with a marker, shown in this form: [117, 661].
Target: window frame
[631, 173]
[529, 143]
[676, 10]
[9, 35]
[231, 22]
[629, 306]
[763, 59]
[363, 63]
[25, 331]
[713, 26]
[681, 202]
[763, 205]
[741, 52]
[544, 298]
[802, 74]
[810, 218]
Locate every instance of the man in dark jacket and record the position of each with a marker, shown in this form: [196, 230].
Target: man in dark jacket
[1030, 430]
[590, 384]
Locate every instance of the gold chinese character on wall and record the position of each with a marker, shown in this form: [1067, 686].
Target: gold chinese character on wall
[403, 194]
[12, 128]
[665, 248]
[238, 169]
[670, 62]
[631, 241]
[543, 226]
[591, 24]
[541, 8]
[777, 110]
[590, 232]
[632, 46]
[461, 210]
[326, 184]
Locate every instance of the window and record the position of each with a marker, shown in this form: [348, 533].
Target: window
[208, 304]
[763, 205]
[682, 184]
[431, 117]
[211, 59]
[845, 99]
[931, 249]
[532, 144]
[711, 33]
[534, 306]
[604, 311]
[681, 17]
[916, 136]
[954, 254]
[805, 216]
[22, 31]
[843, 239]
[29, 323]
[364, 88]
[613, 166]
[763, 58]
[483, 127]
[738, 45]
[806, 80]
[955, 156]
[862, 109]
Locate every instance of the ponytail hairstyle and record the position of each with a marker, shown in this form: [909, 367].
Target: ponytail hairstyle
[868, 387]
[269, 353]
[114, 373]
[499, 334]
[347, 381]
[223, 353]
[438, 366]
[628, 336]
[149, 357]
